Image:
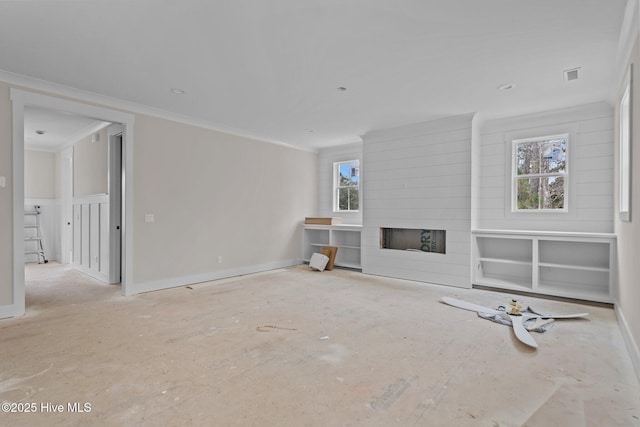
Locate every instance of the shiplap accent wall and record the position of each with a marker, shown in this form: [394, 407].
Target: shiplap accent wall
[419, 176]
[326, 158]
[91, 235]
[591, 133]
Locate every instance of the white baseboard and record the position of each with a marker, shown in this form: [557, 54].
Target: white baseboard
[156, 285]
[7, 311]
[632, 345]
[98, 276]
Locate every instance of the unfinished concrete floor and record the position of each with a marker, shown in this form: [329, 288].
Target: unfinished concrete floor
[295, 347]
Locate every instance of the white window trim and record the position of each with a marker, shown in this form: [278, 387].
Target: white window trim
[514, 176]
[336, 167]
[624, 146]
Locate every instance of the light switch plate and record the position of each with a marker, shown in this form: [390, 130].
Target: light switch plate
[3, 181]
[149, 218]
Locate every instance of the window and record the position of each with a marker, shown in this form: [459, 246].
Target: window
[346, 184]
[540, 174]
[624, 198]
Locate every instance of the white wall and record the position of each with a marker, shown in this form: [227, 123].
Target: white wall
[419, 176]
[6, 202]
[326, 158]
[90, 165]
[39, 174]
[590, 150]
[628, 233]
[49, 228]
[215, 195]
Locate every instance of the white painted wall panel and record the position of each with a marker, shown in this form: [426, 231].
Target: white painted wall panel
[85, 231]
[77, 234]
[94, 237]
[104, 239]
[419, 176]
[91, 236]
[591, 133]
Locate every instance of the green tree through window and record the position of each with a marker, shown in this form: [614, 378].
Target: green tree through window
[540, 173]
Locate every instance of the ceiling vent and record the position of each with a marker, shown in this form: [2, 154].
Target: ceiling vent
[570, 75]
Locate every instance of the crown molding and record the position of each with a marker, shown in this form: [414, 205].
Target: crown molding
[51, 88]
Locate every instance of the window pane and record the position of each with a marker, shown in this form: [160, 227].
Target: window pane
[552, 192]
[528, 193]
[528, 158]
[541, 193]
[348, 199]
[554, 155]
[349, 174]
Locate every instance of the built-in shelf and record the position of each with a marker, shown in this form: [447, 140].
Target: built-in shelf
[573, 265]
[345, 237]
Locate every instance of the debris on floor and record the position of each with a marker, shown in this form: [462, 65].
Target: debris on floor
[522, 318]
[318, 262]
[267, 328]
[533, 324]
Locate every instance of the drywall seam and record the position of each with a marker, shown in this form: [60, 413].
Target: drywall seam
[632, 345]
[173, 282]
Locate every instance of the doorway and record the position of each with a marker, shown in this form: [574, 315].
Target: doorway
[124, 137]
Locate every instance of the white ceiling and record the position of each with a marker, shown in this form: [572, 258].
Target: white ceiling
[60, 128]
[272, 68]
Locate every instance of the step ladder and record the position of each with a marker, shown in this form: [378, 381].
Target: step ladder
[31, 238]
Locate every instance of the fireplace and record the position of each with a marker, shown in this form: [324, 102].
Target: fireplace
[414, 239]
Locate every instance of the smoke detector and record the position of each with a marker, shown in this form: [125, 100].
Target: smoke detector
[571, 74]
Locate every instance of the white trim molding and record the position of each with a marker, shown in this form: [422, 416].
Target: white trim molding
[21, 98]
[42, 202]
[7, 311]
[120, 104]
[174, 282]
[93, 198]
[632, 345]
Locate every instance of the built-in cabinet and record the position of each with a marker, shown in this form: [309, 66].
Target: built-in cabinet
[573, 265]
[345, 237]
